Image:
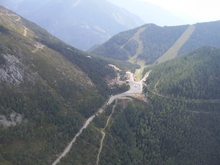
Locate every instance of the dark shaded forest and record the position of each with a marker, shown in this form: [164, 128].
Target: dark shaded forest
[191, 76]
[161, 132]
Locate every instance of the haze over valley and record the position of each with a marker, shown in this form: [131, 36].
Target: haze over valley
[104, 82]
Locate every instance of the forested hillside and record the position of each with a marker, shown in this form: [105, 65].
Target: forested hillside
[191, 76]
[205, 34]
[161, 131]
[179, 124]
[166, 129]
[155, 41]
[113, 48]
[48, 89]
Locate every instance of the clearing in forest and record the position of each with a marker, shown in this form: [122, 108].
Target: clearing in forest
[134, 59]
[173, 51]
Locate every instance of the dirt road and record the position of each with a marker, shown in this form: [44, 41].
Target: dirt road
[135, 88]
[103, 134]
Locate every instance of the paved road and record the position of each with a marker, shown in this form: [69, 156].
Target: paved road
[135, 88]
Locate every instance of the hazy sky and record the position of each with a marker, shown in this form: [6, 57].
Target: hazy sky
[203, 10]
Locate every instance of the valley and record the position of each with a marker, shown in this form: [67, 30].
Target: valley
[149, 95]
[135, 88]
[87, 21]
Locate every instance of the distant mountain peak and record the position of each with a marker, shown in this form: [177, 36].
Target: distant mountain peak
[64, 19]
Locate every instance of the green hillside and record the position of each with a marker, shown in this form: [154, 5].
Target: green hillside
[161, 131]
[167, 129]
[48, 89]
[158, 44]
[191, 76]
[180, 122]
[81, 24]
[156, 41]
[204, 34]
[116, 47]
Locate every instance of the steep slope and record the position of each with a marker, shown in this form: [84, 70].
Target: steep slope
[191, 76]
[165, 129]
[204, 34]
[172, 52]
[158, 41]
[162, 131]
[48, 89]
[179, 124]
[81, 23]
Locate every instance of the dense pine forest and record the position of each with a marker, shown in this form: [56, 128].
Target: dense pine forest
[154, 41]
[161, 132]
[191, 76]
[48, 90]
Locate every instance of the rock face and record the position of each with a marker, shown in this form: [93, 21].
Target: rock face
[46, 85]
[12, 71]
[13, 120]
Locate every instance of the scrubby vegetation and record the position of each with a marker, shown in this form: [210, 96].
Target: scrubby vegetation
[59, 88]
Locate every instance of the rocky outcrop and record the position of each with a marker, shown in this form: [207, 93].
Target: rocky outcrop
[12, 71]
[13, 120]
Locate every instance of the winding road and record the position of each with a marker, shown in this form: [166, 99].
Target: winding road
[198, 101]
[38, 46]
[88, 121]
[18, 19]
[135, 88]
[103, 134]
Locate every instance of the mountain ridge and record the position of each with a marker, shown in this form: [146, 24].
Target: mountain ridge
[158, 40]
[46, 93]
[82, 25]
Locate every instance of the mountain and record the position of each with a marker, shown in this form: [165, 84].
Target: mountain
[81, 23]
[150, 13]
[194, 75]
[48, 89]
[151, 43]
[178, 124]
